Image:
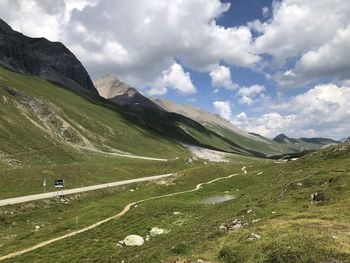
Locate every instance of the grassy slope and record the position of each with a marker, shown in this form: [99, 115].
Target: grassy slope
[292, 228]
[100, 123]
[29, 151]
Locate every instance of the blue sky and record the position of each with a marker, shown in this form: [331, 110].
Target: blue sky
[268, 67]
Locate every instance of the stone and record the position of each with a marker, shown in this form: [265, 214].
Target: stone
[317, 197]
[155, 231]
[254, 236]
[222, 227]
[133, 240]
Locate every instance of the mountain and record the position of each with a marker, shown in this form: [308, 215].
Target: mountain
[283, 139]
[343, 139]
[189, 125]
[110, 87]
[123, 122]
[201, 116]
[43, 58]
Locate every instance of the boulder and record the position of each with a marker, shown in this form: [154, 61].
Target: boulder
[317, 197]
[155, 231]
[133, 240]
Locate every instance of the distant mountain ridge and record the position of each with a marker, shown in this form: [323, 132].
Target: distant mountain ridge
[195, 124]
[282, 138]
[43, 58]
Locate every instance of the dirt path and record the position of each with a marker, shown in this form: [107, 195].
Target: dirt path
[119, 215]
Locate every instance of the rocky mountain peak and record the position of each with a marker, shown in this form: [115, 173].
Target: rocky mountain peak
[282, 138]
[43, 58]
[109, 86]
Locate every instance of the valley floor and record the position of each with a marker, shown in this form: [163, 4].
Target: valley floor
[270, 217]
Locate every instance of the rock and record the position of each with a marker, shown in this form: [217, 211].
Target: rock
[37, 227]
[148, 238]
[177, 213]
[155, 231]
[234, 225]
[43, 58]
[133, 240]
[249, 211]
[222, 227]
[254, 236]
[237, 226]
[256, 220]
[317, 197]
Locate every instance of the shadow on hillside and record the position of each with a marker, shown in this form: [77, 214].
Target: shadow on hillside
[161, 123]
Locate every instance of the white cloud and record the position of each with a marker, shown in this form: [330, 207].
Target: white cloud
[221, 78]
[139, 45]
[265, 11]
[251, 91]
[247, 95]
[331, 59]
[175, 78]
[322, 111]
[223, 108]
[298, 26]
[314, 34]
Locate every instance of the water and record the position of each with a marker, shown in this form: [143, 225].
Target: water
[218, 199]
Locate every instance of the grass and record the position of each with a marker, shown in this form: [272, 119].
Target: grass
[291, 226]
[42, 143]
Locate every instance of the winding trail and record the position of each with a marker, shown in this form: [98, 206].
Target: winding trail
[119, 215]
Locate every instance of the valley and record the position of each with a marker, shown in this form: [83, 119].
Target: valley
[148, 180]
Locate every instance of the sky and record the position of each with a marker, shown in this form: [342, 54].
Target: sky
[267, 66]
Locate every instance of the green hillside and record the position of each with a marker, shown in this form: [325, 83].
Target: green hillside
[279, 220]
[47, 131]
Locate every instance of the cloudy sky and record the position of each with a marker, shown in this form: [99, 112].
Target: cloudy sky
[267, 66]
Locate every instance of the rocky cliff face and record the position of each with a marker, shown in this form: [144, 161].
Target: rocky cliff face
[110, 87]
[43, 58]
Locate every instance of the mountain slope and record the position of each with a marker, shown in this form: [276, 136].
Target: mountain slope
[304, 144]
[185, 123]
[43, 58]
[190, 125]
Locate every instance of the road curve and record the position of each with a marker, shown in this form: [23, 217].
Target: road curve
[119, 215]
[22, 199]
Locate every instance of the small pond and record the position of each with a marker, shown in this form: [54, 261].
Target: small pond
[217, 199]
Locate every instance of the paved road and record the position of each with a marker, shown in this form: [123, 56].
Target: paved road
[28, 198]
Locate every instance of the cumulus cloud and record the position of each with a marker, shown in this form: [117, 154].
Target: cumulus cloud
[330, 60]
[175, 78]
[248, 95]
[223, 108]
[221, 78]
[298, 26]
[321, 111]
[139, 45]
